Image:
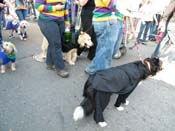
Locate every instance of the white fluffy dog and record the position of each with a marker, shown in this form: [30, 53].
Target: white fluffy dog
[22, 29]
[8, 54]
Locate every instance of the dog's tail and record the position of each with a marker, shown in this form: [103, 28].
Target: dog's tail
[84, 109]
[78, 113]
[87, 106]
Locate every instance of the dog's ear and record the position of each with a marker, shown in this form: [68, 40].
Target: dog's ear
[27, 23]
[81, 40]
[14, 48]
[81, 32]
[146, 59]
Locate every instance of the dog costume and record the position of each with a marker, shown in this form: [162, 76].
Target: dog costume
[12, 25]
[6, 58]
[121, 80]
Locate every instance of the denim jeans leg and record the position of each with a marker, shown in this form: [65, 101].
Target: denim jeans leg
[119, 36]
[147, 27]
[106, 37]
[1, 39]
[19, 14]
[24, 14]
[160, 46]
[142, 27]
[53, 31]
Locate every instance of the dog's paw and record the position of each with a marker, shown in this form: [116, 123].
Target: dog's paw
[13, 69]
[78, 113]
[102, 124]
[126, 103]
[2, 71]
[120, 108]
[21, 38]
[71, 63]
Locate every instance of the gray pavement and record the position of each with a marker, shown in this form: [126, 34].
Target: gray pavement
[35, 99]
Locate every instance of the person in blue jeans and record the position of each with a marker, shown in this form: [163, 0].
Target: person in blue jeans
[53, 19]
[21, 10]
[168, 16]
[146, 21]
[105, 29]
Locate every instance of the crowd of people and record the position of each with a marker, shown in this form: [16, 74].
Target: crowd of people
[102, 20]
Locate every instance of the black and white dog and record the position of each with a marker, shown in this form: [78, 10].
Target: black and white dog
[121, 80]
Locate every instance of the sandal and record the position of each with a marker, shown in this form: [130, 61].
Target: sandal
[39, 58]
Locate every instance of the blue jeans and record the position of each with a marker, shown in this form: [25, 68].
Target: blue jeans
[1, 39]
[119, 36]
[106, 39]
[144, 28]
[53, 31]
[22, 13]
[161, 46]
[2, 17]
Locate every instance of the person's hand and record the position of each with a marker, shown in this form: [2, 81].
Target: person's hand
[60, 6]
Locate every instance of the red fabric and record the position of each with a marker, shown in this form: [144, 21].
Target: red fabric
[159, 37]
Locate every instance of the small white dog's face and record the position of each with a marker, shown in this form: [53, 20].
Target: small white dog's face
[84, 40]
[8, 47]
[23, 24]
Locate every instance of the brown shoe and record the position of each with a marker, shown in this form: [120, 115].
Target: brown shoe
[63, 73]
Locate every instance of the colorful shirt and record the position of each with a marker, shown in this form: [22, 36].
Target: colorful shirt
[20, 4]
[103, 10]
[47, 9]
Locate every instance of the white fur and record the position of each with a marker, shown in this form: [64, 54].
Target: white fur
[126, 103]
[3, 69]
[102, 124]
[120, 108]
[78, 113]
[22, 29]
[13, 66]
[139, 83]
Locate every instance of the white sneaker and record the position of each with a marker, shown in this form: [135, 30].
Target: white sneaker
[117, 55]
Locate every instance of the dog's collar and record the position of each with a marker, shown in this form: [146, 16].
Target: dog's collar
[148, 65]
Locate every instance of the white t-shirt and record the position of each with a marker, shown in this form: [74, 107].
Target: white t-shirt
[147, 12]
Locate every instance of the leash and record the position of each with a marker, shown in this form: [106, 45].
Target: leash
[136, 44]
[138, 52]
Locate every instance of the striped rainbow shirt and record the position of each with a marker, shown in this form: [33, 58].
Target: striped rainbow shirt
[103, 10]
[47, 9]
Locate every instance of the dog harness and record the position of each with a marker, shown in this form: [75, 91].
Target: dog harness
[6, 58]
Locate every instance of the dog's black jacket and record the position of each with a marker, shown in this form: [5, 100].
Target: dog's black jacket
[121, 80]
[66, 47]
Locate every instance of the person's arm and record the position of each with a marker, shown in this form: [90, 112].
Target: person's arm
[66, 15]
[41, 6]
[11, 9]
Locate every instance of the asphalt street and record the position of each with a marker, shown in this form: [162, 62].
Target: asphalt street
[35, 99]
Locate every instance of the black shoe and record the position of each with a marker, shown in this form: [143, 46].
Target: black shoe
[63, 73]
[143, 43]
